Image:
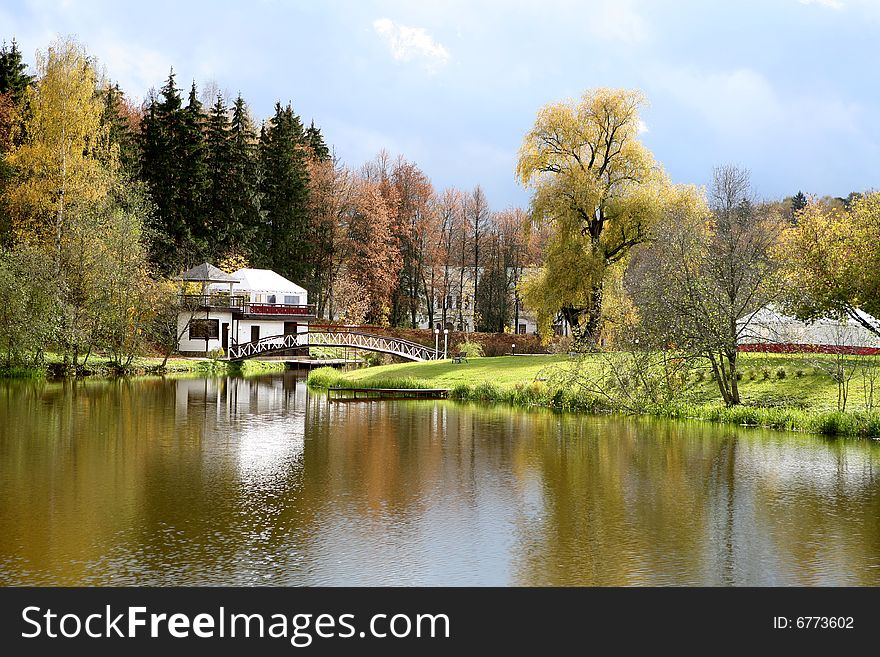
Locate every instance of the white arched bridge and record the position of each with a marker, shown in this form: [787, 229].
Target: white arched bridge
[345, 339]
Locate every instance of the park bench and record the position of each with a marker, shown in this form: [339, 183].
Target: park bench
[458, 358]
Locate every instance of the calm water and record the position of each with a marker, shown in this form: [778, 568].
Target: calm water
[235, 481]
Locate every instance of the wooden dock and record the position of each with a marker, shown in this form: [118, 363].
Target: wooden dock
[337, 394]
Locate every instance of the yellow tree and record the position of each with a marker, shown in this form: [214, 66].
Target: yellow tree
[599, 190]
[831, 261]
[66, 157]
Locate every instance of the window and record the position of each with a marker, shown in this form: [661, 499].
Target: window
[522, 329]
[271, 298]
[204, 329]
[291, 300]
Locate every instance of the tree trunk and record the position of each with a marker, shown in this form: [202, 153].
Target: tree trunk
[734, 384]
[718, 375]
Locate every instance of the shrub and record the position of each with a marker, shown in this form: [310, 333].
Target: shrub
[471, 349]
[216, 354]
[780, 373]
[799, 373]
[752, 375]
[373, 359]
[765, 374]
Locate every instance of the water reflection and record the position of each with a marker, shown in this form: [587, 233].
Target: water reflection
[255, 481]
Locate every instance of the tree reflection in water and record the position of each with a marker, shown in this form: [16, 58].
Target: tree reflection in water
[259, 481]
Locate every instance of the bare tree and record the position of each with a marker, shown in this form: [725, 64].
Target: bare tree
[478, 212]
[699, 283]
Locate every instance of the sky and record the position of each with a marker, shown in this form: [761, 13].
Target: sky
[786, 88]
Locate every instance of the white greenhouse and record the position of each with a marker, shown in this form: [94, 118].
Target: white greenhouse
[769, 329]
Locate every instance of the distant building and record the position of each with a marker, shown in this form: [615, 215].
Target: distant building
[769, 329]
[219, 310]
[458, 305]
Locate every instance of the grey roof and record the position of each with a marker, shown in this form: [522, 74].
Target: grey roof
[207, 273]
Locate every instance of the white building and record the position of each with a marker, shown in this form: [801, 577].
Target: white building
[459, 308]
[769, 329]
[245, 306]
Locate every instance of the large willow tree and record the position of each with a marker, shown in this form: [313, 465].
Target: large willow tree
[600, 191]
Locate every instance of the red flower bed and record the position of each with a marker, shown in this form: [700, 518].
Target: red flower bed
[774, 348]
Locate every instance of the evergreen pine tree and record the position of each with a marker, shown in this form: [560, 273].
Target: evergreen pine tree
[218, 156]
[194, 176]
[284, 245]
[243, 182]
[162, 159]
[13, 78]
[798, 202]
[122, 121]
[315, 141]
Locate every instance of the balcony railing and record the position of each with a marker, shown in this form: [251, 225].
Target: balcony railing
[214, 299]
[278, 309]
[242, 303]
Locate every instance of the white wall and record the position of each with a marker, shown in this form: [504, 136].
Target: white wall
[268, 327]
[822, 332]
[198, 344]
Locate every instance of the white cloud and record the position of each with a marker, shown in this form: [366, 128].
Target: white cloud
[743, 107]
[135, 67]
[617, 20]
[830, 4]
[642, 127]
[411, 43]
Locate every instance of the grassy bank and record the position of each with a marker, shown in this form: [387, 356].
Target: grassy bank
[790, 392]
[102, 366]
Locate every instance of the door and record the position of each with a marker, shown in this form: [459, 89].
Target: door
[225, 340]
[291, 328]
[255, 333]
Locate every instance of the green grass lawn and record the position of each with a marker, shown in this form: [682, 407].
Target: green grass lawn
[773, 380]
[780, 391]
[502, 370]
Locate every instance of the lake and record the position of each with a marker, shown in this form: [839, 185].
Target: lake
[259, 481]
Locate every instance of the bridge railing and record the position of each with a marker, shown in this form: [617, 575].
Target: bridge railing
[264, 345]
[350, 339]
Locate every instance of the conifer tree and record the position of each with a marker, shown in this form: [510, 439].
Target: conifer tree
[123, 123]
[163, 160]
[13, 78]
[315, 141]
[194, 175]
[283, 243]
[243, 183]
[218, 156]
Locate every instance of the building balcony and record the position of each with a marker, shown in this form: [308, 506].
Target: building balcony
[242, 305]
[276, 309]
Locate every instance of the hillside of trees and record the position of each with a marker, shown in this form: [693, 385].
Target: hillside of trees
[110, 199]
[104, 201]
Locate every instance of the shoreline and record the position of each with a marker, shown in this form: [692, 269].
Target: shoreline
[859, 424]
[100, 367]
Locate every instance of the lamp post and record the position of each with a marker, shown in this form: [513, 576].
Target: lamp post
[436, 342]
[513, 348]
[445, 343]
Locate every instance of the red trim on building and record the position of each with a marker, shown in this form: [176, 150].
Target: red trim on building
[774, 348]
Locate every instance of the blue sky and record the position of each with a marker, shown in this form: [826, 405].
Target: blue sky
[786, 88]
